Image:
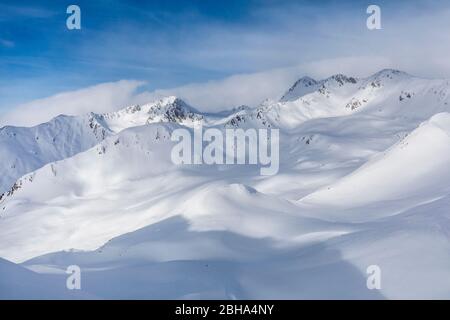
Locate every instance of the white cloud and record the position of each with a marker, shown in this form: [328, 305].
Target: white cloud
[7, 43]
[99, 98]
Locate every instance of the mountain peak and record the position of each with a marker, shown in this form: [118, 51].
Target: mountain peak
[166, 109]
[301, 87]
[173, 107]
[390, 74]
[169, 100]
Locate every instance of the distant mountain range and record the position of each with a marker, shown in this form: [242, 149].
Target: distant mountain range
[363, 180]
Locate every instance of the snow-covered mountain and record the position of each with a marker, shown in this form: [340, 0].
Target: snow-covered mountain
[363, 180]
[27, 149]
[170, 109]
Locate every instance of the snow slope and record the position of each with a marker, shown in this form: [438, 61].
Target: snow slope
[123, 184]
[17, 282]
[26, 149]
[415, 168]
[412, 250]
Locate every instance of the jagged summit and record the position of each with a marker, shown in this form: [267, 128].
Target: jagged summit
[156, 106]
[172, 109]
[341, 79]
[306, 85]
[168, 109]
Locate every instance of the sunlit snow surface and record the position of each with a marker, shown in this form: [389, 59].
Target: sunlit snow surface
[364, 180]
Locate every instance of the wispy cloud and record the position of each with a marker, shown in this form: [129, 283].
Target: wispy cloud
[7, 43]
[99, 98]
[10, 12]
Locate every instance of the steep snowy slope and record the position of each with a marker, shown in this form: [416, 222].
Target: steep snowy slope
[416, 169]
[94, 180]
[23, 150]
[300, 88]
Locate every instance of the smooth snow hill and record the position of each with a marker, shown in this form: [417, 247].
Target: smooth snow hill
[412, 250]
[17, 282]
[214, 264]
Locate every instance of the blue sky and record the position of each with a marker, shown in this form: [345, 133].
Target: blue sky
[174, 43]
